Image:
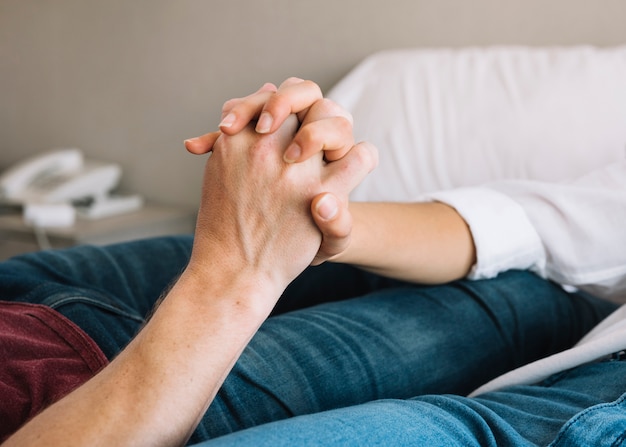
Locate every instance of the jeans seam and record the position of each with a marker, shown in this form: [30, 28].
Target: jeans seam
[86, 300]
[582, 414]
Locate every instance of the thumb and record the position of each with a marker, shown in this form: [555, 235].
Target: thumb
[334, 221]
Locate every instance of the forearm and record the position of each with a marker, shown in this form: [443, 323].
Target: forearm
[418, 242]
[254, 234]
[155, 392]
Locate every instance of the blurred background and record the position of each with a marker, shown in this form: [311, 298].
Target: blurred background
[128, 80]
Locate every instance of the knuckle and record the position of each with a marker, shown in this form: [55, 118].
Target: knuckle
[292, 80]
[338, 232]
[231, 103]
[366, 155]
[334, 245]
[344, 124]
[278, 103]
[331, 108]
[268, 87]
[313, 86]
[308, 136]
[369, 151]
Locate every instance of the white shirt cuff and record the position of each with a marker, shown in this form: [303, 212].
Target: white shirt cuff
[503, 235]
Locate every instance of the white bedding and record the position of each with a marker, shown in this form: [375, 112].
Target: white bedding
[449, 118]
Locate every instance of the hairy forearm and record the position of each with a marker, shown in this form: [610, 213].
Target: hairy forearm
[419, 242]
[157, 389]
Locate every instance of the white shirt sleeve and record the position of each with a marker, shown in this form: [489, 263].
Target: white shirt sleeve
[571, 232]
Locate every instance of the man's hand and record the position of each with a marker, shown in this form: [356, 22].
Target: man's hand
[254, 235]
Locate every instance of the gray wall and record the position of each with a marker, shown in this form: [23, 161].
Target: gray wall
[128, 80]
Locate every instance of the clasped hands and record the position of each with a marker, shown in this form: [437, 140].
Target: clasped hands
[275, 190]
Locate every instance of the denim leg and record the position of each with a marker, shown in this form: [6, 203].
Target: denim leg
[109, 291]
[106, 291]
[582, 407]
[332, 282]
[397, 342]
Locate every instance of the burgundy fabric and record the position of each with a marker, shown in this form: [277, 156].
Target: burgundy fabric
[43, 356]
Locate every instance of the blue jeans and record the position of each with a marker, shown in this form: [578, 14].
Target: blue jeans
[583, 407]
[348, 348]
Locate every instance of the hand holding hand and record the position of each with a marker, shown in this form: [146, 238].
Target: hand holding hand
[325, 127]
[255, 215]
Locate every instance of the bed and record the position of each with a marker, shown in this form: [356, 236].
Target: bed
[445, 118]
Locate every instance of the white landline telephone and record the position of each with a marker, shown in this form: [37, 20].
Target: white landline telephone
[55, 181]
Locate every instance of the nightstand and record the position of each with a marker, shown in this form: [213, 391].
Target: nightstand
[149, 221]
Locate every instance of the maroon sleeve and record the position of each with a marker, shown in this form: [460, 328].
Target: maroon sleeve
[43, 356]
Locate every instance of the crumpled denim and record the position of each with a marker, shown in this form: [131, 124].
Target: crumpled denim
[583, 407]
[350, 349]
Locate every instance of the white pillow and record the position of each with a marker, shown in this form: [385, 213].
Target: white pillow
[449, 118]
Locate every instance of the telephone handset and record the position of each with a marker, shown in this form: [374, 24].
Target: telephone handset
[58, 176]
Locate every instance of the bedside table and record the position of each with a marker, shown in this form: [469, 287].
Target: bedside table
[151, 220]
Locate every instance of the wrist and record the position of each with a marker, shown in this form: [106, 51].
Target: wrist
[235, 287]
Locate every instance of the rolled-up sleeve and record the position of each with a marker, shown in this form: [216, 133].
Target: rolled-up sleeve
[503, 235]
[571, 232]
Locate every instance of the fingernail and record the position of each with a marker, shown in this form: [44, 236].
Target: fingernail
[292, 153]
[228, 120]
[264, 124]
[327, 207]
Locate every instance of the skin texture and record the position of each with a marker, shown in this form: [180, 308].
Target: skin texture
[427, 243]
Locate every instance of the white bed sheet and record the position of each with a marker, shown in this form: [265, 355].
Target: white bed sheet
[449, 118]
